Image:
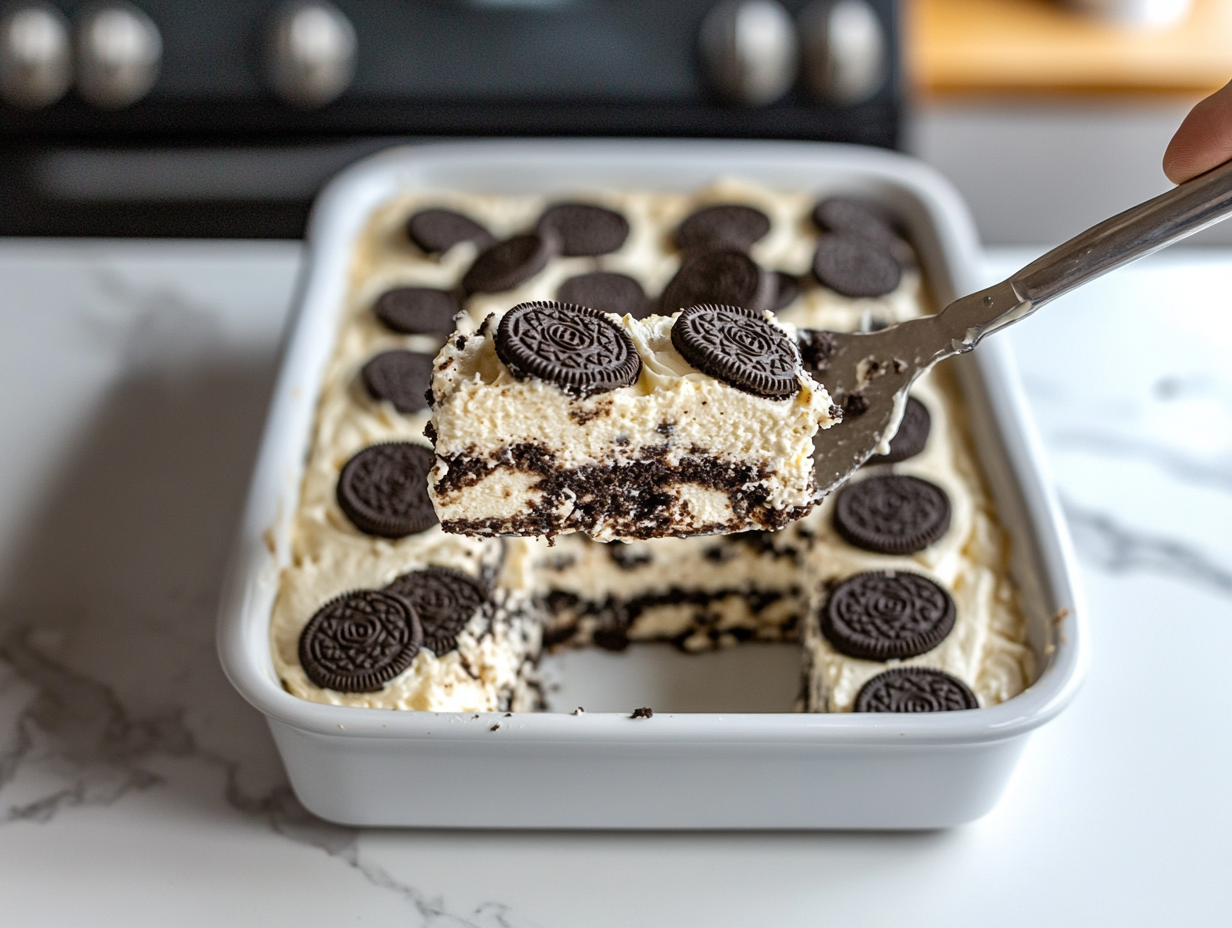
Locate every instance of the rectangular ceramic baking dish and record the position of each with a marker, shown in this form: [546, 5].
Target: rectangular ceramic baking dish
[679, 769]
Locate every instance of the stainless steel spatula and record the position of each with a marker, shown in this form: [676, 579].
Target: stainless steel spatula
[870, 373]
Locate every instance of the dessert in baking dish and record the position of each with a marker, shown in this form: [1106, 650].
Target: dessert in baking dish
[896, 585]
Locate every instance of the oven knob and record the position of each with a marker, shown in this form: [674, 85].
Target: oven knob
[119, 52]
[311, 53]
[845, 59]
[36, 64]
[749, 51]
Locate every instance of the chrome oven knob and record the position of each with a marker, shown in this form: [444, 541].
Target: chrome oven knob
[36, 61]
[311, 53]
[749, 51]
[119, 53]
[845, 51]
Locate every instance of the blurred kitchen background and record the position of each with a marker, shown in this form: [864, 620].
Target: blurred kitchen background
[221, 118]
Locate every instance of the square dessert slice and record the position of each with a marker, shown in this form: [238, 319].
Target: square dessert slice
[554, 418]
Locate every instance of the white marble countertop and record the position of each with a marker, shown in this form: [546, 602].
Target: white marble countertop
[136, 788]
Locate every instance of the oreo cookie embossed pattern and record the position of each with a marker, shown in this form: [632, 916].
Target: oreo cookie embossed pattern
[881, 615]
[360, 641]
[574, 347]
[739, 347]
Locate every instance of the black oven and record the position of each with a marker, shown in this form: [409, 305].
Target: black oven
[221, 118]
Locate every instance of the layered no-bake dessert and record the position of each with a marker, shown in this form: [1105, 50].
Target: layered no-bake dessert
[896, 585]
[556, 418]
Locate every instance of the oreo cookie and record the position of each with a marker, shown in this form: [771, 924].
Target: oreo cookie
[401, 377]
[582, 229]
[892, 514]
[358, 642]
[855, 267]
[574, 347]
[786, 289]
[417, 310]
[438, 230]
[911, 437]
[914, 689]
[509, 263]
[445, 600]
[724, 226]
[850, 217]
[724, 278]
[739, 347]
[885, 614]
[606, 291]
[383, 490]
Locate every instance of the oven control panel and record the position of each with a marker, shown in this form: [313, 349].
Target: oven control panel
[160, 74]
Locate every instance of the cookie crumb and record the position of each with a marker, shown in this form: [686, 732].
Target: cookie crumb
[643, 713]
[579, 711]
[494, 727]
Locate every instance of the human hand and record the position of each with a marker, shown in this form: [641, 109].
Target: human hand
[1204, 140]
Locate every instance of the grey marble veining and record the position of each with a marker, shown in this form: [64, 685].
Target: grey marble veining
[136, 788]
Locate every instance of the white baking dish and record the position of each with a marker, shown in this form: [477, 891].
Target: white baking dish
[679, 769]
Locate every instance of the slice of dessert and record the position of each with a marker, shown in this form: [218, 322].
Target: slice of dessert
[553, 418]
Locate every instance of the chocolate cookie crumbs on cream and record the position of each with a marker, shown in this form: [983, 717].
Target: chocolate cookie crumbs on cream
[489, 607]
[557, 419]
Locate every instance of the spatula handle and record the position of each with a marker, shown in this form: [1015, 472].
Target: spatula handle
[1182, 211]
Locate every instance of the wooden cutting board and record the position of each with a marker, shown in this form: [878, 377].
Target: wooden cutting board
[1038, 47]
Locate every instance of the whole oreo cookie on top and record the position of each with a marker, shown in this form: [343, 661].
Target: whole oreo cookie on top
[886, 614]
[445, 600]
[892, 514]
[725, 278]
[739, 347]
[509, 263]
[855, 267]
[582, 229]
[911, 437]
[726, 225]
[575, 347]
[850, 217]
[438, 230]
[606, 291]
[914, 689]
[401, 377]
[358, 642]
[383, 490]
[417, 310]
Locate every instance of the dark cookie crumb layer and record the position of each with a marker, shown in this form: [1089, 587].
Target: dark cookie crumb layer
[632, 500]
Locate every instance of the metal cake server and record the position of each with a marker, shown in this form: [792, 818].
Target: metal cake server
[870, 373]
